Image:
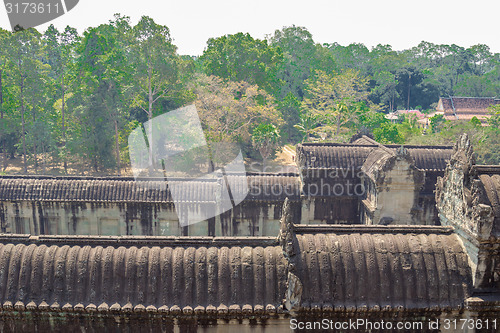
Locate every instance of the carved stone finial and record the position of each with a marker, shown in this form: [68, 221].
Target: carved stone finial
[293, 295]
[463, 154]
[402, 152]
[287, 229]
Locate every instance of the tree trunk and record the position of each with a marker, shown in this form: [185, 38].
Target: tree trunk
[2, 135]
[117, 143]
[34, 143]
[22, 127]
[65, 162]
[44, 163]
[409, 85]
[393, 94]
[150, 127]
[338, 124]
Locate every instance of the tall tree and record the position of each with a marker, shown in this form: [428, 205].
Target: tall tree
[265, 138]
[102, 69]
[240, 57]
[290, 111]
[300, 58]
[155, 68]
[4, 42]
[24, 54]
[60, 52]
[354, 56]
[333, 97]
[229, 110]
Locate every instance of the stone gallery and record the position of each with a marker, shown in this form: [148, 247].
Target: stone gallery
[364, 230]
[363, 182]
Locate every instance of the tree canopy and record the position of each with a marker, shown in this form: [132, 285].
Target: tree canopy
[68, 101]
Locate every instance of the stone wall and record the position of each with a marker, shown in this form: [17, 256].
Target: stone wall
[467, 203]
[392, 186]
[114, 219]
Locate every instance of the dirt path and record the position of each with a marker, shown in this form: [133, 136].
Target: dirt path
[283, 163]
[286, 156]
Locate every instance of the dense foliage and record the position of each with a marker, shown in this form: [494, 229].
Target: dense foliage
[68, 102]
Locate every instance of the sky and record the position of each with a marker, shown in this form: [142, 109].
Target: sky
[400, 23]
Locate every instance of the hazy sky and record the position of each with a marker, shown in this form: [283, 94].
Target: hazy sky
[399, 23]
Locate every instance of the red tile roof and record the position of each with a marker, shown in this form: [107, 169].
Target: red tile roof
[464, 108]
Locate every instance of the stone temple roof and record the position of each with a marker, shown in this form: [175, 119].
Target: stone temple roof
[339, 268]
[353, 155]
[170, 275]
[381, 267]
[273, 187]
[429, 158]
[376, 160]
[332, 155]
[126, 189]
[490, 179]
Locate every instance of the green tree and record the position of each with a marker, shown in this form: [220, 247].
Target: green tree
[301, 56]
[475, 121]
[370, 119]
[155, 68]
[437, 121]
[24, 57]
[494, 120]
[265, 138]
[240, 57]
[4, 42]
[388, 133]
[290, 111]
[100, 101]
[355, 56]
[60, 53]
[307, 124]
[229, 110]
[333, 97]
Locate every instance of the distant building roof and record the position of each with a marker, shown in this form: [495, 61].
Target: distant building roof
[396, 114]
[465, 108]
[417, 113]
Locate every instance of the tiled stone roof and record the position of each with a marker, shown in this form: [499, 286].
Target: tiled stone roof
[126, 189]
[332, 156]
[346, 156]
[433, 158]
[85, 189]
[169, 275]
[340, 269]
[273, 187]
[376, 161]
[490, 179]
[356, 268]
[465, 108]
